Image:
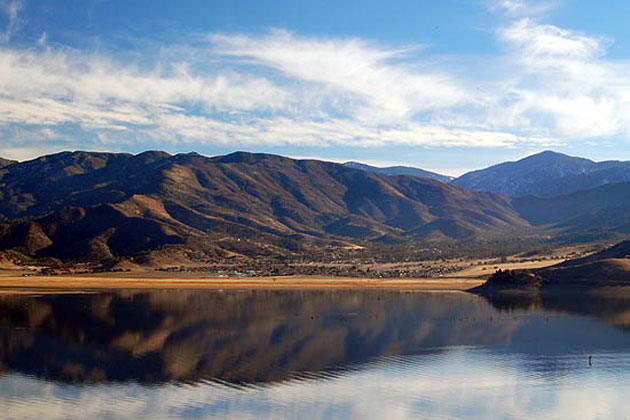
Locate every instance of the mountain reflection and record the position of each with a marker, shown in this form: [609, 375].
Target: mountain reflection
[613, 310]
[153, 337]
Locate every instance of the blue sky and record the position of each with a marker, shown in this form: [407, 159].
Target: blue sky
[448, 86]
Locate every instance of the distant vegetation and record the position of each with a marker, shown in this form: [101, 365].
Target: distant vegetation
[522, 279]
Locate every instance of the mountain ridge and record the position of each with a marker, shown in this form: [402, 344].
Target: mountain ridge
[545, 174]
[6, 162]
[400, 170]
[100, 206]
[97, 206]
[586, 214]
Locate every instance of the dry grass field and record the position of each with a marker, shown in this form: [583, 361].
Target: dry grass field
[16, 279]
[450, 274]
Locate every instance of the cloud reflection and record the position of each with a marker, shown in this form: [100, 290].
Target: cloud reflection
[341, 354]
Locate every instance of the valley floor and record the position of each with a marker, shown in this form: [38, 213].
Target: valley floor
[290, 282]
[468, 278]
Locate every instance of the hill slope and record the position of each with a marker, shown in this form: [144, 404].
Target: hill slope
[586, 215]
[98, 206]
[545, 174]
[5, 162]
[400, 170]
[610, 267]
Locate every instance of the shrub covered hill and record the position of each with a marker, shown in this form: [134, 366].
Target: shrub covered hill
[400, 170]
[103, 206]
[610, 267]
[545, 174]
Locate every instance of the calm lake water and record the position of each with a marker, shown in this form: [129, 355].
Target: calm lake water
[308, 354]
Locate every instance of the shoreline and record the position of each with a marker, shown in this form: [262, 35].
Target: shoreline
[24, 281]
[10, 283]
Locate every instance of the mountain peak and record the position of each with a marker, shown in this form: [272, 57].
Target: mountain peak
[154, 154]
[545, 174]
[548, 153]
[247, 157]
[550, 157]
[545, 154]
[6, 162]
[399, 170]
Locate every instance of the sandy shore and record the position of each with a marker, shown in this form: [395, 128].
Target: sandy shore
[152, 280]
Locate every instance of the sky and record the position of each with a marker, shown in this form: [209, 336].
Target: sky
[448, 86]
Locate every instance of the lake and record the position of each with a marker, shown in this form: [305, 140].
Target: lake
[312, 354]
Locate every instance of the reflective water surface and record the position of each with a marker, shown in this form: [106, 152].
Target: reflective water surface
[312, 354]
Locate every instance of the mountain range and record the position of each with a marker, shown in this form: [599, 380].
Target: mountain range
[584, 215]
[401, 170]
[545, 174]
[85, 206]
[99, 206]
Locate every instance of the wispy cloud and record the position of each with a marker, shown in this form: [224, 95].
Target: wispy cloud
[524, 7]
[535, 41]
[376, 81]
[547, 85]
[10, 10]
[323, 92]
[563, 80]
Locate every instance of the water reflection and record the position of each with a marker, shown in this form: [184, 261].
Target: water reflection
[262, 352]
[610, 309]
[236, 337]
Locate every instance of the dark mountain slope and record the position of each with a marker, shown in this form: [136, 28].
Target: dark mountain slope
[400, 170]
[5, 162]
[100, 205]
[590, 213]
[99, 232]
[545, 174]
[76, 179]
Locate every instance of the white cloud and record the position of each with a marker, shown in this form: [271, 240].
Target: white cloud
[94, 80]
[533, 40]
[376, 87]
[549, 85]
[524, 7]
[328, 92]
[562, 80]
[445, 385]
[300, 132]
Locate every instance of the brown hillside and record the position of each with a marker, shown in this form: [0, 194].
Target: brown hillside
[102, 205]
[612, 265]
